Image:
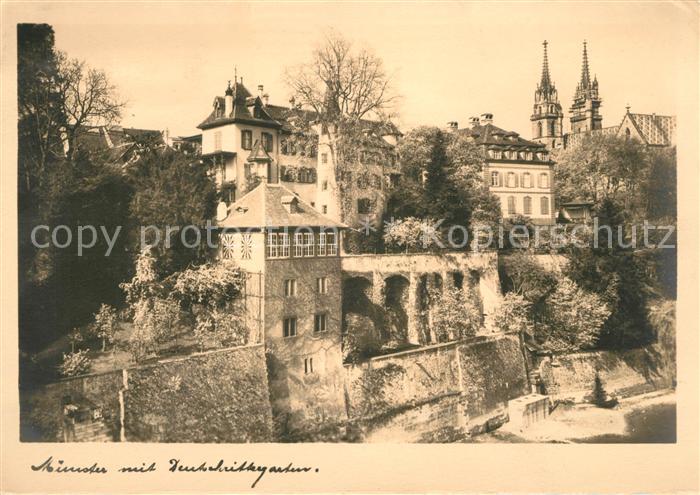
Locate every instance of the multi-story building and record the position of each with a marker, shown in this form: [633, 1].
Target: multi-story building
[519, 172]
[293, 251]
[245, 139]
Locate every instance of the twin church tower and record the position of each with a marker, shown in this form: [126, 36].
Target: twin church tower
[548, 117]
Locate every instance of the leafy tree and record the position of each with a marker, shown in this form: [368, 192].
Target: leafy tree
[522, 274]
[155, 321]
[573, 319]
[211, 285]
[106, 324]
[412, 234]
[453, 316]
[513, 314]
[170, 190]
[75, 338]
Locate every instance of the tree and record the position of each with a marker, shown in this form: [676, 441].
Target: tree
[453, 316]
[170, 190]
[75, 363]
[88, 98]
[512, 314]
[411, 234]
[523, 275]
[573, 319]
[344, 95]
[106, 324]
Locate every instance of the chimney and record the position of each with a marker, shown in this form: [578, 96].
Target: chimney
[452, 126]
[486, 118]
[228, 101]
[266, 99]
[260, 91]
[474, 121]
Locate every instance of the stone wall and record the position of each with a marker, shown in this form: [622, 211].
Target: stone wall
[217, 396]
[420, 394]
[41, 409]
[625, 373]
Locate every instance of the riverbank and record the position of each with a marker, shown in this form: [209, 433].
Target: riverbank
[646, 418]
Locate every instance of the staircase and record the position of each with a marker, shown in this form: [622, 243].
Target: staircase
[91, 431]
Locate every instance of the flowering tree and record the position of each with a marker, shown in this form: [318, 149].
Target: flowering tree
[106, 324]
[75, 337]
[212, 285]
[75, 363]
[220, 328]
[412, 233]
[155, 321]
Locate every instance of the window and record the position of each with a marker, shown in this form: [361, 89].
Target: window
[308, 365]
[247, 140]
[511, 205]
[544, 180]
[246, 246]
[290, 287]
[322, 285]
[324, 158]
[364, 206]
[544, 205]
[289, 327]
[331, 244]
[551, 128]
[324, 185]
[272, 245]
[511, 180]
[324, 209]
[308, 244]
[283, 239]
[494, 178]
[321, 250]
[298, 244]
[527, 205]
[266, 138]
[539, 129]
[284, 148]
[217, 141]
[319, 323]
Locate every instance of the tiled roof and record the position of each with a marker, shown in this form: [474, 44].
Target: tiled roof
[490, 135]
[246, 108]
[659, 130]
[264, 206]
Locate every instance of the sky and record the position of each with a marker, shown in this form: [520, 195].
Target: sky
[447, 62]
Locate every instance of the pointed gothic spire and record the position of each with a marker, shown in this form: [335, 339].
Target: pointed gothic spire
[585, 72]
[545, 81]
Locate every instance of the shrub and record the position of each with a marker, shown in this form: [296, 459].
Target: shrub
[211, 284]
[453, 316]
[75, 363]
[361, 339]
[220, 328]
[155, 321]
[412, 234]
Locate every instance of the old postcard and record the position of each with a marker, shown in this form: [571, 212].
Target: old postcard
[322, 247]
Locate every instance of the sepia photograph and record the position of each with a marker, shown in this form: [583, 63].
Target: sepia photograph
[357, 223]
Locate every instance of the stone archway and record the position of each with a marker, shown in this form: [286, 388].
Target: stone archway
[396, 302]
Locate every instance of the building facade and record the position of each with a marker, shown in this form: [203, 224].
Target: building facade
[518, 171]
[245, 139]
[293, 250]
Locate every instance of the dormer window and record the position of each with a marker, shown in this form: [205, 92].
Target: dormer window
[290, 203]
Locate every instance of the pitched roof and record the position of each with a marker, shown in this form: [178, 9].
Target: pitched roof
[264, 206]
[246, 108]
[490, 135]
[258, 153]
[659, 130]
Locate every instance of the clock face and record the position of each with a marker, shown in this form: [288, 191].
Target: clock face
[227, 246]
[246, 246]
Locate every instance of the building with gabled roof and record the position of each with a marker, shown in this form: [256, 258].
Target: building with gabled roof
[246, 139]
[293, 250]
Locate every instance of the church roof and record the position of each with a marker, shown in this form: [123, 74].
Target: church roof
[655, 130]
[273, 205]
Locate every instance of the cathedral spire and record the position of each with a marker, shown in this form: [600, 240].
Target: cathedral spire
[545, 81]
[585, 72]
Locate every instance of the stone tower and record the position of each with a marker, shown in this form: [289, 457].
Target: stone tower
[585, 112]
[547, 116]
